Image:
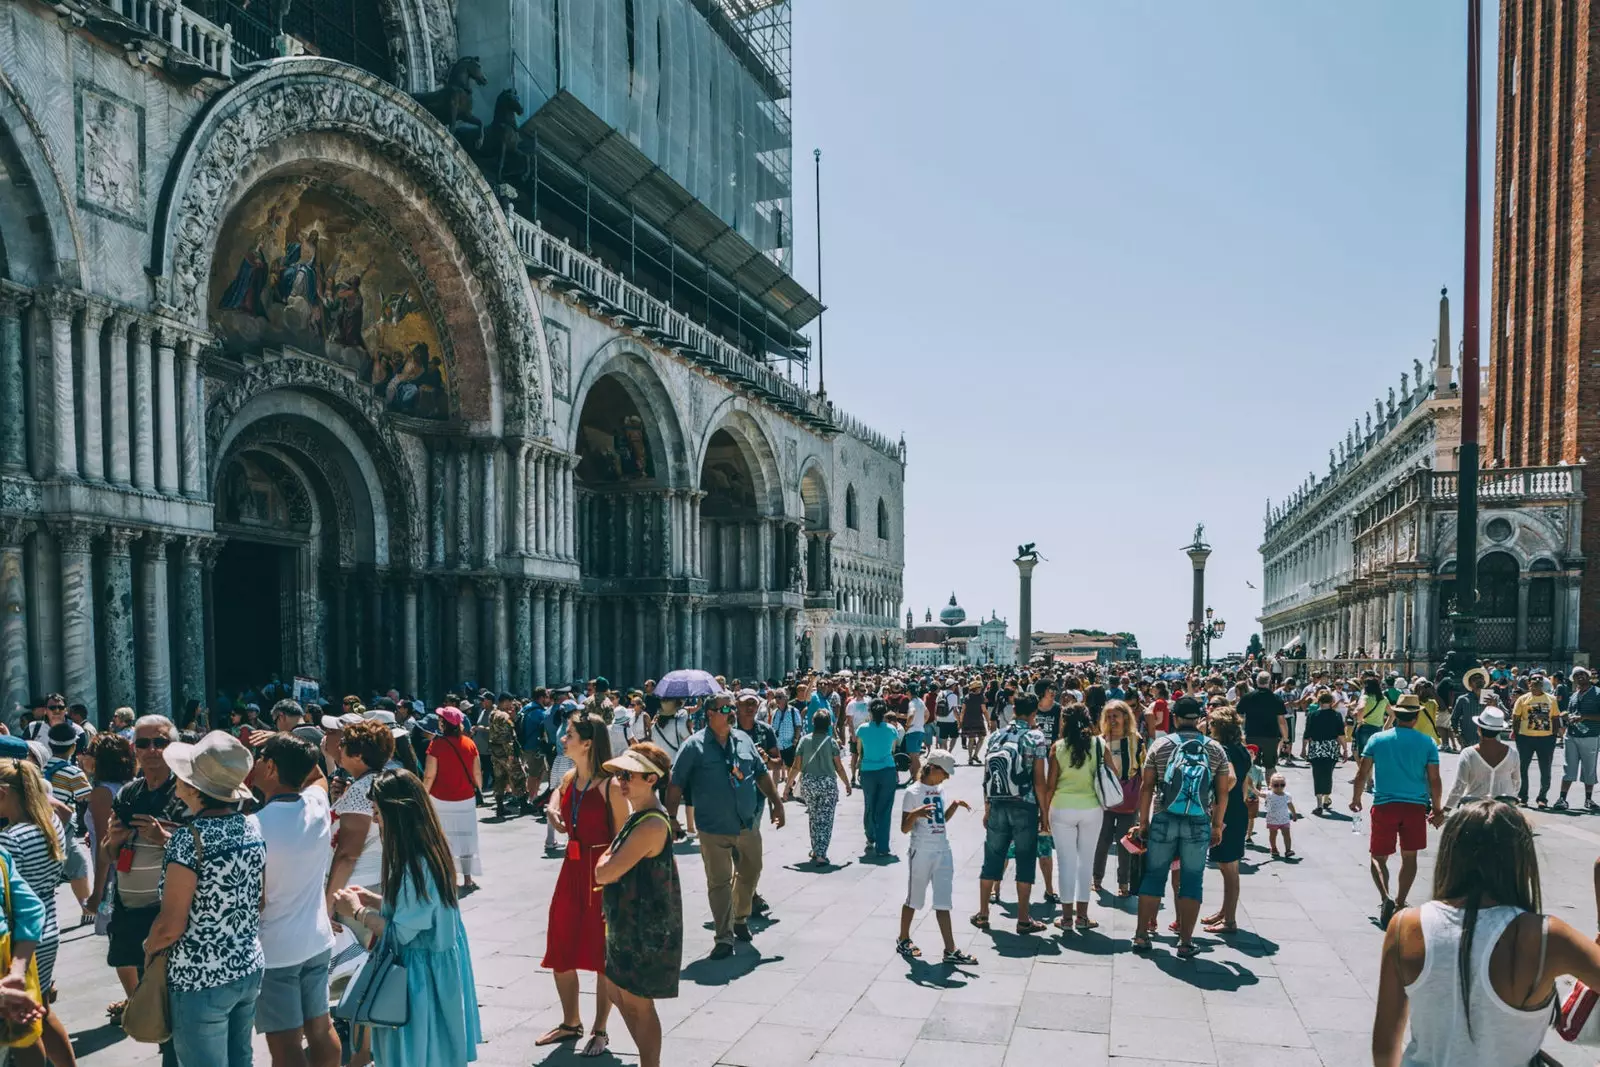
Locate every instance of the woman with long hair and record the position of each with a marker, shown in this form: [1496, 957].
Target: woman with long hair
[1474, 969]
[816, 761]
[1074, 820]
[1371, 713]
[453, 777]
[32, 838]
[1225, 730]
[1322, 745]
[110, 766]
[418, 913]
[642, 900]
[589, 809]
[1120, 739]
[876, 740]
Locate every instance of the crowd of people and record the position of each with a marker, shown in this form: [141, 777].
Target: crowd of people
[271, 861]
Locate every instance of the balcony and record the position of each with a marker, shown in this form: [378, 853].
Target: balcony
[192, 39]
[566, 269]
[1523, 483]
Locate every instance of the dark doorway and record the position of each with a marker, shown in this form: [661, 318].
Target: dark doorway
[246, 604]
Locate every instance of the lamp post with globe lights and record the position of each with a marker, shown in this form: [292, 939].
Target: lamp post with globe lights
[1201, 634]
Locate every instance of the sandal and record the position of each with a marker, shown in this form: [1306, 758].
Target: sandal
[1187, 950]
[907, 949]
[1029, 926]
[598, 1042]
[1140, 943]
[956, 957]
[1221, 928]
[1122, 890]
[1052, 898]
[1064, 924]
[563, 1032]
[980, 921]
[1086, 923]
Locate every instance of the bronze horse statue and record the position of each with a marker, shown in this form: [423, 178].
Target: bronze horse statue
[452, 103]
[502, 140]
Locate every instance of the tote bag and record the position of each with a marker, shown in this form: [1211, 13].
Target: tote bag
[377, 995]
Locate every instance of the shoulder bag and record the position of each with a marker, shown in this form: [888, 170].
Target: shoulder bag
[377, 995]
[18, 1035]
[477, 794]
[148, 1016]
[1107, 783]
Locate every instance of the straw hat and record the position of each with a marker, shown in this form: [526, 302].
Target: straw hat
[1477, 672]
[217, 765]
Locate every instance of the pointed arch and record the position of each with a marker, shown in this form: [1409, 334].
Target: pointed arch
[852, 518]
[44, 246]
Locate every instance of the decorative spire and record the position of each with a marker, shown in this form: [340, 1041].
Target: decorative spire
[1441, 351]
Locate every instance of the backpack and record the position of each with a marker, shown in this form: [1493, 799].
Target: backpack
[1187, 782]
[1006, 773]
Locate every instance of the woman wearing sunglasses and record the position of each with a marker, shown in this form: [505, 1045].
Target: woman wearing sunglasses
[643, 900]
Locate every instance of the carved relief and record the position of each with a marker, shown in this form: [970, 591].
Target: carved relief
[559, 341]
[110, 154]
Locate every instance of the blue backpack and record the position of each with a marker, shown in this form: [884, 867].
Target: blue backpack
[1187, 782]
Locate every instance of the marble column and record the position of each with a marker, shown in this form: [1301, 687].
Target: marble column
[191, 425]
[666, 654]
[488, 590]
[58, 306]
[517, 505]
[1523, 584]
[167, 412]
[155, 656]
[582, 650]
[338, 584]
[502, 639]
[192, 620]
[761, 640]
[463, 506]
[13, 396]
[683, 640]
[627, 536]
[700, 635]
[530, 496]
[430, 642]
[82, 683]
[467, 666]
[552, 639]
[766, 568]
[119, 467]
[567, 621]
[541, 503]
[488, 512]
[142, 432]
[92, 456]
[410, 669]
[436, 504]
[695, 560]
[15, 679]
[791, 640]
[521, 638]
[542, 675]
[569, 464]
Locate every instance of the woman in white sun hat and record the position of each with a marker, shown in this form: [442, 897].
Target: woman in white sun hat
[1490, 767]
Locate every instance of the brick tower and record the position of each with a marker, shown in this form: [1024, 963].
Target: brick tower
[1542, 401]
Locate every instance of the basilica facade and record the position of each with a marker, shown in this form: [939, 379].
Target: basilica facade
[290, 386]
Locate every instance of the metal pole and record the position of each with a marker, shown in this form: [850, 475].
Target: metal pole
[1463, 653]
[816, 157]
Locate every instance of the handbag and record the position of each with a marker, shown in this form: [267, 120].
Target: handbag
[477, 794]
[1107, 783]
[1577, 1021]
[18, 1035]
[148, 1015]
[377, 995]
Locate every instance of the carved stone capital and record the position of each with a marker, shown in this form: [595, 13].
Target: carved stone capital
[96, 312]
[489, 587]
[74, 536]
[58, 303]
[155, 545]
[195, 549]
[119, 540]
[13, 301]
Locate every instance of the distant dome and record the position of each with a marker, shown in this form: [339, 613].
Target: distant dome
[953, 615]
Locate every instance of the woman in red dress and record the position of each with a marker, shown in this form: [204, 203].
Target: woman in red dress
[588, 809]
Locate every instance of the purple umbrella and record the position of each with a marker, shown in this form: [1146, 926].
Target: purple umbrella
[682, 685]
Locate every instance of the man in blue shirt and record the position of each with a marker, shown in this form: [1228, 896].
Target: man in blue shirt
[723, 775]
[1405, 763]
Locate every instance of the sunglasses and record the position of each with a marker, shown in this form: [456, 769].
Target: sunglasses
[55, 707]
[152, 742]
[627, 776]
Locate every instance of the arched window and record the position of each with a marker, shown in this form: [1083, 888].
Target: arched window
[1497, 602]
[851, 519]
[883, 520]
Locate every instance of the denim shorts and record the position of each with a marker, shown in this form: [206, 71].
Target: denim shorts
[292, 996]
[1012, 824]
[913, 742]
[1176, 837]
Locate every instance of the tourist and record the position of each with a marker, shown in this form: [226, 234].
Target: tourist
[974, 721]
[1428, 718]
[122, 723]
[365, 747]
[1223, 724]
[1489, 768]
[1193, 776]
[418, 914]
[1371, 713]
[875, 741]
[642, 899]
[218, 861]
[587, 807]
[505, 758]
[917, 726]
[1405, 767]
[1473, 971]
[789, 726]
[110, 766]
[1074, 810]
[1157, 718]
[296, 935]
[1280, 815]
[1126, 750]
[1266, 720]
[70, 787]
[535, 749]
[856, 714]
[55, 711]
[453, 777]
[1015, 811]
[929, 858]
[816, 762]
[670, 729]
[33, 840]
[1322, 746]
[1468, 705]
[1582, 719]
[726, 778]
[1536, 727]
[559, 721]
[747, 719]
[944, 717]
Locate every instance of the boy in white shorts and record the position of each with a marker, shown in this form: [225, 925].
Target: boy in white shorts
[923, 815]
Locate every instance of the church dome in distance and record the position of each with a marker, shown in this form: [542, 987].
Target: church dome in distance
[953, 615]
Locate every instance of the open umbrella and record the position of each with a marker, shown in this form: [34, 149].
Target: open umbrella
[682, 685]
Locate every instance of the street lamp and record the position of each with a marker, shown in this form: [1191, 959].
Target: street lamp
[1203, 633]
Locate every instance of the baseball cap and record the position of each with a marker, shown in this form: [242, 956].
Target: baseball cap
[14, 747]
[942, 760]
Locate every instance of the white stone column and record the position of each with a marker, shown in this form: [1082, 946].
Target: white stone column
[117, 381]
[488, 517]
[15, 680]
[191, 426]
[78, 615]
[530, 493]
[567, 622]
[167, 412]
[143, 430]
[58, 306]
[568, 465]
[695, 560]
[541, 503]
[463, 508]
[155, 659]
[762, 639]
[516, 484]
[408, 586]
[541, 648]
[92, 461]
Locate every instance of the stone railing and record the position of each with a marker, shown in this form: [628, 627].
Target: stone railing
[567, 268]
[185, 31]
[1522, 483]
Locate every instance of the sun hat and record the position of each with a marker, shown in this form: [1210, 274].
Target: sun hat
[1492, 719]
[339, 722]
[217, 765]
[637, 762]
[381, 715]
[1478, 672]
[942, 760]
[1407, 705]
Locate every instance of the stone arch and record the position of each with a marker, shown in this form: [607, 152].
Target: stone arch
[315, 115]
[758, 454]
[852, 515]
[634, 373]
[814, 496]
[58, 254]
[883, 520]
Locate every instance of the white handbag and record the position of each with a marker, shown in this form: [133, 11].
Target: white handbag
[1107, 783]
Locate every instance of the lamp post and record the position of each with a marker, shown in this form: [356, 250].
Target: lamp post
[1202, 633]
[1198, 552]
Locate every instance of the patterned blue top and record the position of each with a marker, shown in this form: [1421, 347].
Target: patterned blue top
[221, 944]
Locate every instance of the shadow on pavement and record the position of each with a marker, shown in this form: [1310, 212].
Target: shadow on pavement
[744, 960]
[88, 1042]
[936, 975]
[1203, 973]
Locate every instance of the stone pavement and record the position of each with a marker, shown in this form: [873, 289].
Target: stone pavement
[822, 985]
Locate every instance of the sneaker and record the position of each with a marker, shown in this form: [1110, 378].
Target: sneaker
[720, 951]
[741, 931]
[1560, 804]
[758, 906]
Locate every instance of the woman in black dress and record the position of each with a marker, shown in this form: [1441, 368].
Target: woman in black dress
[1226, 854]
[643, 901]
[1323, 746]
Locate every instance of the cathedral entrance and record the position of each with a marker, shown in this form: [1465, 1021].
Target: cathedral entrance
[247, 612]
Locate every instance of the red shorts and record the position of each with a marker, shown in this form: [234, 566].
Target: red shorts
[1407, 822]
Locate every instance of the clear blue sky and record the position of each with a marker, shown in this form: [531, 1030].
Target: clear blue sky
[1115, 269]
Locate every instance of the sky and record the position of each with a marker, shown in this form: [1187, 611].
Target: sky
[1116, 269]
